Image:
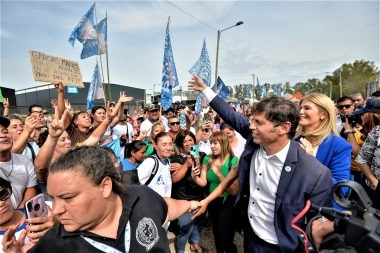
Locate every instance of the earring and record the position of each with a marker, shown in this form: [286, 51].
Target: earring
[322, 118]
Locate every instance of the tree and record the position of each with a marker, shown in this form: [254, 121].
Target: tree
[354, 77]
[231, 91]
[286, 88]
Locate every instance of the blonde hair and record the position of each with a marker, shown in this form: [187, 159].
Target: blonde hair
[327, 125]
[225, 146]
[154, 126]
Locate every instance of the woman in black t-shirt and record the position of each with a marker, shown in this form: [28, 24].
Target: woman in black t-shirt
[185, 188]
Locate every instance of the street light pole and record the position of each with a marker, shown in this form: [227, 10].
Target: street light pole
[217, 51]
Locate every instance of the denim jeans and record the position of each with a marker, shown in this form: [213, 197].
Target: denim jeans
[189, 229]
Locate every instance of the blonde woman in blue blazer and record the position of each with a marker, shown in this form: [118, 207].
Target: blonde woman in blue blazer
[318, 135]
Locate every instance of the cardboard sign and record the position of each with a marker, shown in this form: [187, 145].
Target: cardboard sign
[47, 68]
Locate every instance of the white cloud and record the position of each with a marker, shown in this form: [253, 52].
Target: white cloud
[5, 34]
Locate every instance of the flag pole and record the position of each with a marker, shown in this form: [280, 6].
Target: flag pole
[101, 65]
[104, 97]
[108, 71]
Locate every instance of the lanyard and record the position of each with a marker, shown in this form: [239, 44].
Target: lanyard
[108, 249]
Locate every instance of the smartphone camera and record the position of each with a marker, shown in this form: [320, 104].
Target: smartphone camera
[32, 208]
[29, 206]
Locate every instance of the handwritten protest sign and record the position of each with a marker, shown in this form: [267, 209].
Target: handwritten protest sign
[47, 68]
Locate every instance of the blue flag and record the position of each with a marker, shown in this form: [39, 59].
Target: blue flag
[264, 92]
[85, 29]
[169, 74]
[279, 90]
[91, 46]
[115, 146]
[95, 91]
[248, 94]
[275, 92]
[202, 68]
[221, 89]
[259, 87]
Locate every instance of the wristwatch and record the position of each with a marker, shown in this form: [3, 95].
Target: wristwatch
[352, 131]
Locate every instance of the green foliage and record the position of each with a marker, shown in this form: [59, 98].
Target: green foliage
[354, 77]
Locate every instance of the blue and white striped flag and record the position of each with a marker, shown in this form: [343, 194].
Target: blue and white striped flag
[248, 94]
[91, 47]
[85, 29]
[169, 73]
[115, 146]
[202, 68]
[95, 91]
[221, 89]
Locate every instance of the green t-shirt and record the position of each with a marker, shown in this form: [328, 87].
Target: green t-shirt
[213, 179]
[149, 149]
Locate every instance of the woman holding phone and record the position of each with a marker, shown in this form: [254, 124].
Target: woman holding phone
[215, 168]
[185, 188]
[10, 217]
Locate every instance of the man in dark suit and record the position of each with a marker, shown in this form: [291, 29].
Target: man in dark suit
[276, 175]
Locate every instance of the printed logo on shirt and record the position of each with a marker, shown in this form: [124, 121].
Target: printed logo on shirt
[160, 180]
[147, 233]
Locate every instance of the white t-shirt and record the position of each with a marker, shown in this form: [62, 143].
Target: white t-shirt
[28, 153]
[238, 150]
[147, 125]
[162, 181]
[119, 130]
[205, 147]
[107, 134]
[20, 171]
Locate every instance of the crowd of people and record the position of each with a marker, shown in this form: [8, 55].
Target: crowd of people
[249, 169]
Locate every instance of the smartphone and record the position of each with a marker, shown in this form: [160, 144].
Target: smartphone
[182, 120]
[194, 151]
[36, 207]
[207, 117]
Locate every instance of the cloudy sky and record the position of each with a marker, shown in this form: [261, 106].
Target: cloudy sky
[279, 41]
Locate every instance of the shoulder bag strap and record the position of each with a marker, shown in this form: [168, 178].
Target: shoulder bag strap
[154, 171]
[32, 151]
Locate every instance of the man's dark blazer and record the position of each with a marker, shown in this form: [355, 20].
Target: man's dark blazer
[307, 179]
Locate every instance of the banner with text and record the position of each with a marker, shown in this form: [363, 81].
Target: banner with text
[47, 68]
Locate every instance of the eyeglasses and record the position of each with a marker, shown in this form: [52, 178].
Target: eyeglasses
[5, 193]
[340, 107]
[174, 123]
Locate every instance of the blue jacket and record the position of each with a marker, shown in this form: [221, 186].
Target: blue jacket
[308, 179]
[335, 153]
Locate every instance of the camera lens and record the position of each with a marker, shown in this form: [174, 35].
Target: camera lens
[37, 207]
[29, 206]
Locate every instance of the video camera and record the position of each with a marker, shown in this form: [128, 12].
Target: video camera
[361, 228]
[351, 118]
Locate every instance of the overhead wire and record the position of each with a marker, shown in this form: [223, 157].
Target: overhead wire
[214, 30]
[191, 16]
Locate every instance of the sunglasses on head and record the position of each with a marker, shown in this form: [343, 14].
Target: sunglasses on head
[5, 193]
[174, 123]
[340, 107]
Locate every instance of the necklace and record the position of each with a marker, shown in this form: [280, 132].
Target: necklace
[10, 171]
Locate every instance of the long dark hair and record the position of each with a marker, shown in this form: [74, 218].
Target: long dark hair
[181, 138]
[134, 146]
